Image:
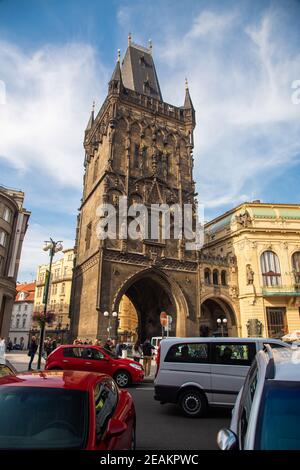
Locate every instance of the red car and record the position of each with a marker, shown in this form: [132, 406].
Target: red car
[65, 410]
[95, 359]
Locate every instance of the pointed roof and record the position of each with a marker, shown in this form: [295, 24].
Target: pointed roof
[187, 101]
[91, 120]
[117, 75]
[138, 71]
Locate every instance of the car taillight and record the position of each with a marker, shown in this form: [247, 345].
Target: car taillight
[157, 360]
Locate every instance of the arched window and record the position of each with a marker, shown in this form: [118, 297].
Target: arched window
[207, 279]
[296, 266]
[224, 278]
[215, 277]
[270, 269]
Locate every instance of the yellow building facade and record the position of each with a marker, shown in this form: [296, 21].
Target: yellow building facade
[265, 240]
[59, 291]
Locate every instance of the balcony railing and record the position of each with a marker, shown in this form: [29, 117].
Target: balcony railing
[281, 291]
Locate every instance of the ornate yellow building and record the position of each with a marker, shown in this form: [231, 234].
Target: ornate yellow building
[59, 294]
[265, 240]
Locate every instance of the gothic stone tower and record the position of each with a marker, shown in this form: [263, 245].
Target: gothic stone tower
[140, 147]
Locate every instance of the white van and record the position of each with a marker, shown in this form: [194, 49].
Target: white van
[197, 372]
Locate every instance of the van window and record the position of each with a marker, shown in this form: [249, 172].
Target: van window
[188, 352]
[233, 353]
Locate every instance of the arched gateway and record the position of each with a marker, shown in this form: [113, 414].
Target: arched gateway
[152, 291]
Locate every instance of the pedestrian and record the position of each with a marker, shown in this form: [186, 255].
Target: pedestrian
[107, 345]
[119, 349]
[137, 351]
[32, 350]
[147, 349]
[2, 349]
[10, 345]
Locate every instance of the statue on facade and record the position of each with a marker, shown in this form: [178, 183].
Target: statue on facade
[250, 275]
[243, 219]
[254, 327]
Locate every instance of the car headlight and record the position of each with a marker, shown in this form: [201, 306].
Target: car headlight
[136, 366]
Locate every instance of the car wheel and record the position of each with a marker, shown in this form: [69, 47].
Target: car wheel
[122, 378]
[193, 403]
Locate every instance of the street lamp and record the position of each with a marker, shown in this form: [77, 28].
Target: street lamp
[222, 322]
[53, 247]
[107, 315]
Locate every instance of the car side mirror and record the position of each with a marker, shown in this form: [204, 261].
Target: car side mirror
[116, 427]
[227, 440]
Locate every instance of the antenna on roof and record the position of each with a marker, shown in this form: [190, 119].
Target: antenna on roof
[119, 55]
[129, 39]
[150, 45]
[186, 84]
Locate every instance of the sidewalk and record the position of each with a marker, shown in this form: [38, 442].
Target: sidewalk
[20, 360]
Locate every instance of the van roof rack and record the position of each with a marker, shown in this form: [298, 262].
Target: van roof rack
[270, 370]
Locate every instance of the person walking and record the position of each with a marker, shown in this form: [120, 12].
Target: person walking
[2, 349]
[32, 350]
[137, 351]
[147, 349]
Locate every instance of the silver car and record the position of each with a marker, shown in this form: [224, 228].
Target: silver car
[266, 414]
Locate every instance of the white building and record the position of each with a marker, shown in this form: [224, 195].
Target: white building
[21, 319]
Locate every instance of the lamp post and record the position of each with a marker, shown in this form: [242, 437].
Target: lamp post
[222, 322]
[53, 247]
[107, 315]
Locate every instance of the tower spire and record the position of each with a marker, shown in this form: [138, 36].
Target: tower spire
[116, 83]
[92, 118]
[187, 101]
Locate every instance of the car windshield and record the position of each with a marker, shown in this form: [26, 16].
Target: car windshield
[279, 417]
[42, 418]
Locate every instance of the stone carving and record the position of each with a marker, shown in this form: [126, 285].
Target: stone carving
[244, 219]
[254, 327]
[250, 274]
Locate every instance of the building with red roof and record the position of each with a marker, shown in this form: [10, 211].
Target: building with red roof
[21, 319]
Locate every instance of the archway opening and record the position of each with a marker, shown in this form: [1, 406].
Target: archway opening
[141, 305]
[217, 318]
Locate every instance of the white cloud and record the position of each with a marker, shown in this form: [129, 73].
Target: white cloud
[240, 79]
[48, 96]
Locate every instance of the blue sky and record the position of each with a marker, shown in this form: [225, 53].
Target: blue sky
[240, 57]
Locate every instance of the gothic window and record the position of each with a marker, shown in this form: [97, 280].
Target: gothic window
[136, 159]
[270, 268]
[223, 278]
[88, 236]
[207, 276]
[215, 277]
[23, 322]
[296, 266]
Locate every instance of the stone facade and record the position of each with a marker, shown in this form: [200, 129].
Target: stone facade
[265, 240]
[13, 225]
[59, 293]
[140, 147]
